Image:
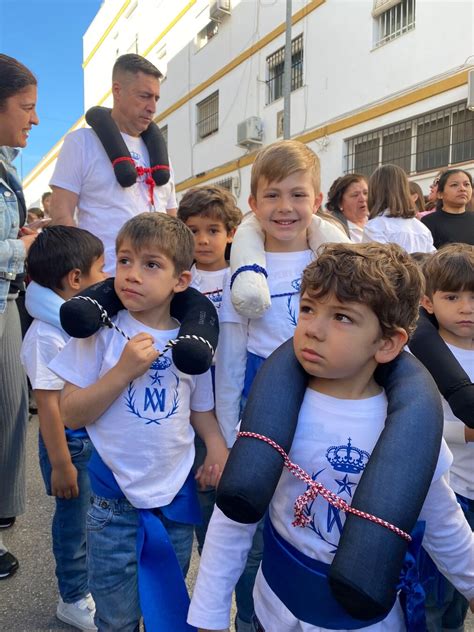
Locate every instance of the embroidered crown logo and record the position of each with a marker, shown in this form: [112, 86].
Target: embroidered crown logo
[346, 458]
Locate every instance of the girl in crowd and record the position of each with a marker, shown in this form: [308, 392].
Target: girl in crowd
[392, 214]
[452, 222]
[347, 202]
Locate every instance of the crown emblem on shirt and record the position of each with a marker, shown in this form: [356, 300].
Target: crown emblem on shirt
[161, 364]
[347, 458]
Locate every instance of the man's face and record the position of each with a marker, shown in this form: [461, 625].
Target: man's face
[135, 99]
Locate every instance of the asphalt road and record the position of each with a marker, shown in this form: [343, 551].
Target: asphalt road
[28, 599]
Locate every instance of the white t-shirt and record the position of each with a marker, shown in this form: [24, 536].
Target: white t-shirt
[328, 429]
[211, 284]
[278, 323]
[410, 234]
[462, 470]
[144, 437]
[84, 168]
[356, 232]
[41, 344]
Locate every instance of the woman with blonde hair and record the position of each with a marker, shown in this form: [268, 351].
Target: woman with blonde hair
[392, 214]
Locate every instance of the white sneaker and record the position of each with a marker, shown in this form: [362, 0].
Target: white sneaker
[79, 614]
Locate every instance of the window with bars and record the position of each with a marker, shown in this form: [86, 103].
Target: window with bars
[433, 140]
[164, 131]
[392, 19]
[275, 68]
[208, 116]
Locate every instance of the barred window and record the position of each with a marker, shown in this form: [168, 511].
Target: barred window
[164, 131]
[275, 68]
[433, 140]
[208, 116]
[392, 19]
[225, 183]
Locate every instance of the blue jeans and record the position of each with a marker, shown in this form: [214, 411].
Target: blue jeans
[69, 522]
[112, 560]
[446, 608]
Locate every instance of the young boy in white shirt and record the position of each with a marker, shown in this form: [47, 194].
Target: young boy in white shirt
[65, 259]
[450, 297]
[285, 192]
[212, 215]
[359, 303]
[140, 410]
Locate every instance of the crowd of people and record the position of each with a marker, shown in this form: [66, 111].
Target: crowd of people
[133, 448]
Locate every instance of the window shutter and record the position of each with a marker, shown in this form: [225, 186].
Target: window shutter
[380, 6]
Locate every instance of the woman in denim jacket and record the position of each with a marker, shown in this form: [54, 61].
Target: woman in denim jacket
[17, 116]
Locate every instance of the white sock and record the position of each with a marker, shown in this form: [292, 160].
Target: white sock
[3, 548]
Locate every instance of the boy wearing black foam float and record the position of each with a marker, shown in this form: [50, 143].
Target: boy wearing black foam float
[347, 303]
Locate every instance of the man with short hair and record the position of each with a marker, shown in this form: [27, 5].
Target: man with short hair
[84, 176]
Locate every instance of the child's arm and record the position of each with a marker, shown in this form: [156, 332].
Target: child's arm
[448, 537]
[64, 474]
[82, 406]
[222, 562]
[231, 361]
[206, 426]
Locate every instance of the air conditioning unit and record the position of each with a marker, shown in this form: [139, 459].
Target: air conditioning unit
[250, 132]
[219, 9]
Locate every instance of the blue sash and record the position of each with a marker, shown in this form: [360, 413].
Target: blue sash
[301, 583]
[164, 599]
[254, 362]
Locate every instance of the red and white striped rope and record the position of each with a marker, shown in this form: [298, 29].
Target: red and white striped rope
[315, 488]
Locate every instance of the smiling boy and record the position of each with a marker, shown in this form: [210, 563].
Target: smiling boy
[359, 303]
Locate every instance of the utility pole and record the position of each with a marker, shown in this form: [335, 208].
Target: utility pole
[287, 75]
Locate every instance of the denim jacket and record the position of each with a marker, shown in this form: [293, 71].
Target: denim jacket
[12, 250]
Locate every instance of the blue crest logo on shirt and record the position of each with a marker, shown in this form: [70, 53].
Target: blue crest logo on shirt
[346, 458]
[215, 297]
[135, 156]
[296, 284]
[156, 399]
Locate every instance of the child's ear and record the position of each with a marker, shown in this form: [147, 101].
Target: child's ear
[252, 203]
[183, 281]
[391, 346]
[230, 235]
[318, 200]
[427, 303]
[73, 279]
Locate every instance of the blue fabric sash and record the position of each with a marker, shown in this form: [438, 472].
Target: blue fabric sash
[296, 578]
[163, 595]
[301, 582]
[254, 362]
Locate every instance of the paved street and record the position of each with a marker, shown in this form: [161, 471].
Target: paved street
[28, 599]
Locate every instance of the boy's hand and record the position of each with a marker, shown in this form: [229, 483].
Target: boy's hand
[137, 356]
[210, 472]
[64, 481]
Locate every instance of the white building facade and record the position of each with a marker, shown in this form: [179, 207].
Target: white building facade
[373, 82]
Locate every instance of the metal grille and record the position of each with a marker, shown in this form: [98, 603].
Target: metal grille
[164, 131]
[276, 65]
[225, 183]
[431, 141]
[208, 116]
[394, 22]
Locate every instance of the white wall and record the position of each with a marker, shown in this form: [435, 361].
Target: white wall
[343, 73]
